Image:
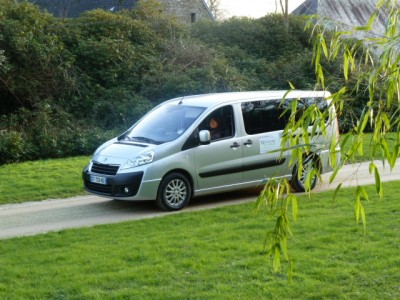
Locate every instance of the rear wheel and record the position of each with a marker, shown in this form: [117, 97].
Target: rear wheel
[174, 192]
[310, 165]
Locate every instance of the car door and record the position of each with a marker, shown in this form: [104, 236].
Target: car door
[263, 125]
[219, 163]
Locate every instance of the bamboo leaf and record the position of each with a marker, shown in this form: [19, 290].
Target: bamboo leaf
[394, 156]
[363, 217]
[357, 204]
[386, 121]
[324, 47]
[336, 191]
[372, 19]
[345, 66]
[378, 183]
[386, 151]
[334, 173]
[277, 258]
[285, 249]
[363, 123]
[362, 193]
[372, 167]
[358, 207]
[363, 28]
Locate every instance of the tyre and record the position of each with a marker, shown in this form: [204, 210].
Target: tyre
[298, 181]
[174, 192]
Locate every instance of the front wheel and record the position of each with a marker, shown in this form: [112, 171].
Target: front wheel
[308, 172]
[174, 192]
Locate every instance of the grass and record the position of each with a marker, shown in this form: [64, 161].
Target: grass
[367, 154]
[42, 179]
[214, 254]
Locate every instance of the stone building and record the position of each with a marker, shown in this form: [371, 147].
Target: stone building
[188, 11]
[346, 14]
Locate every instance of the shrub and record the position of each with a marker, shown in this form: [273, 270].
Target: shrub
[46, 132]
[119, 108]
[13, 147]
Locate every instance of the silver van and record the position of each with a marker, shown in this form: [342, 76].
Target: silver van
[203, 144]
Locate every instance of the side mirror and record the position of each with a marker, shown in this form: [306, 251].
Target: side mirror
[204, 137]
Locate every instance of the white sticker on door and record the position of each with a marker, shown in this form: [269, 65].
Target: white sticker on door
[269, 142]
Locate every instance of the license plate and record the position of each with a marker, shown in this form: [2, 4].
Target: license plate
[98, 179]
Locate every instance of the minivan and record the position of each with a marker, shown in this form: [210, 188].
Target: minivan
[205, 144]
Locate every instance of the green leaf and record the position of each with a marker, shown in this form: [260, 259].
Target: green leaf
[357, 210]
[336, 191]
[386, 121]
[324, 47]
[363, 28]
[358, 207]
[364, 122]
[378, 183]
[363, 217]
[334, 173]
[345, 66]
[285, 249]
[277, 258]
[361, 192]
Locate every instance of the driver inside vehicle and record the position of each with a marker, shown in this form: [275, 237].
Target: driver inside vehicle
[215, 130]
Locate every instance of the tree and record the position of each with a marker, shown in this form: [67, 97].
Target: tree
[373, 64]
[32, 58]
[215, 8]
[284, 5]
[285, 11]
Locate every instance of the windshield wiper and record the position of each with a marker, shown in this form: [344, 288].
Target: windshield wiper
[143, 139]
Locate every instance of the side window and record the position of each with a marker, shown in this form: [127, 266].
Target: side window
[263, 116]
[268, 115]
[305, 103]
[220, 123]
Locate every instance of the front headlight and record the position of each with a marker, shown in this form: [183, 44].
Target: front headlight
[142, 159]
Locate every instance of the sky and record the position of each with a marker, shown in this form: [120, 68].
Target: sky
[254, 8]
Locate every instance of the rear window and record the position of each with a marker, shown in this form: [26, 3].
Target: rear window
[270, 115]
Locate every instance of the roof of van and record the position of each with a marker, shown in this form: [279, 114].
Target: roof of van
[209, 100]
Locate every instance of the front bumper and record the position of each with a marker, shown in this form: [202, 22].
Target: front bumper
[118, 186]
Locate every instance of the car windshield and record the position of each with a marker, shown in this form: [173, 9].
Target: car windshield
[164, 124]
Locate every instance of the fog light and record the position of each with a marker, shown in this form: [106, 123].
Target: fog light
[126, 190]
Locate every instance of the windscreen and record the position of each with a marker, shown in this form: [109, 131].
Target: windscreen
[164, 124]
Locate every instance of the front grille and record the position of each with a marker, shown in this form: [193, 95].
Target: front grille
[104, 169]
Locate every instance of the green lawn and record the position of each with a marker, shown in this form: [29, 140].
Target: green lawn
[214, 254]
[367, 153]
[42, 179]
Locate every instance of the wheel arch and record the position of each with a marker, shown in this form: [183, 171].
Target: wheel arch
[184, 173]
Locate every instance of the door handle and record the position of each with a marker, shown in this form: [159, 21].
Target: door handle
[235, 145]
[248, 143]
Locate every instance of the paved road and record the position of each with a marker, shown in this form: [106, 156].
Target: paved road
[53, 215]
